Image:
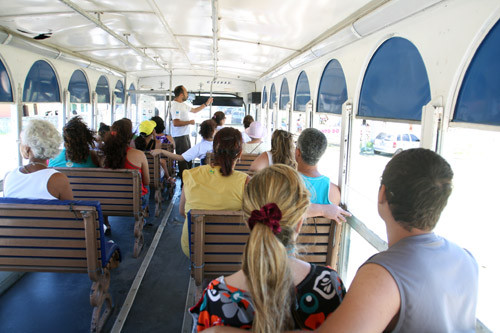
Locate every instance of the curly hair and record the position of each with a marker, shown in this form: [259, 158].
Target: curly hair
[78, 139]
[312, 145]
[116, 143]
[160, 124]
[228, 145]
[42, 138]
[207, 129]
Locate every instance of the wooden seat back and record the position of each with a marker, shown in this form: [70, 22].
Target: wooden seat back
[155, 180]
[170, 162]
[243, 163]
[218, 239]
[63, 238]
[118, 191]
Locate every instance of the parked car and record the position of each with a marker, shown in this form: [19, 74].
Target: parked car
[394, 143]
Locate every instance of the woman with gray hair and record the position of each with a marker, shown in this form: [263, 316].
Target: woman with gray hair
[40, 141]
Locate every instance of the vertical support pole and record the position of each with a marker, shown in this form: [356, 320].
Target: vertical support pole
[19, 122]
[66, 114]
[113, 104]
[94, 111]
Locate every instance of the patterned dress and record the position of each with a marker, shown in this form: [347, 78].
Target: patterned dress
[318, 295]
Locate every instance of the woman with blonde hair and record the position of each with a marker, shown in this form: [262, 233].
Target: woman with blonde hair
[274, 291]
[282, 151]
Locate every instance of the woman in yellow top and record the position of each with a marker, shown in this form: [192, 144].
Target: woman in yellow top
[216, 186]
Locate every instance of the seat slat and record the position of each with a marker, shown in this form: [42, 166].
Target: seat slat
[37, 252]
[35, 232]
[59, 243]
[47, 223]
[54, 262]
[101, 187]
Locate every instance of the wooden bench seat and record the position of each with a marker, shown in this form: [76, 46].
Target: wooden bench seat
[243, 164]
[118, 191]
[155, 180]
[59, 236]
[218, 238]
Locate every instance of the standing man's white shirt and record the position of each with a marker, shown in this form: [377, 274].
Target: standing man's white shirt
[180, 111]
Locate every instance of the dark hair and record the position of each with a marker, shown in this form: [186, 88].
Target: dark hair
[218, 117]
[103, 128]
[178, 90]
[247, 121]
[312, 145]
[227, 148]
[78, 139]
[116, 142]
[417, 183]
[207, 129]
[160, 124]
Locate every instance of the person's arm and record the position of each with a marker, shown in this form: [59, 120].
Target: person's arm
[171, 139]
[261, 162]
[331, 211]
[167, 154]
[182, 204]
[370, 305]
[334, 194]
[59, 186]
[178, 122]
[204, 105]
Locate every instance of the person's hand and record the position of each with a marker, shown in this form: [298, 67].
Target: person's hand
[191, 122]
[209, 101]
[155, 152]
[336, 213]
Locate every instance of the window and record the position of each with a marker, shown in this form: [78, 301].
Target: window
[302, 93]
[264, 97]
[119, 93]
[284, 95]
[332, 89]
[103, 102]
[79, 97]
[8, 135]
[479, 97]
[272, 96]
[5, 85]
[395, 85]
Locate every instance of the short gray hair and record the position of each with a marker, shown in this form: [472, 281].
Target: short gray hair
[42, 137]
[312, 145]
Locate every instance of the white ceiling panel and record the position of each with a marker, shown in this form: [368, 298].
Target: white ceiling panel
[27, 7]
[187, 17]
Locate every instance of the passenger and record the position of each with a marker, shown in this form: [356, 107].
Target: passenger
[282, 151]
[118, 154]
[200, 150]
[246, 123]
[78, 144]
[40, 141]
[256, 131]
[274, 290]
[146, 141]
[101, 133]
[181, 122]
[325, 195]
[160, 129]
[423, 282]
[216, 186]
[220, 119]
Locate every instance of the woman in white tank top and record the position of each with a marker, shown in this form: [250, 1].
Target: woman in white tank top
[282, 151]
[40, 141]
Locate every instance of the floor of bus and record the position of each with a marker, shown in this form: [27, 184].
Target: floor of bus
[52, 302]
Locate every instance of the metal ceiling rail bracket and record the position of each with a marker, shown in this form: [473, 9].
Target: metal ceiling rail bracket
[97, 22]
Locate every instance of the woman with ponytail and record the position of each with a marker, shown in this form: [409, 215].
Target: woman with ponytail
[216, 186]
[274, 291]
[220, 119]
[118, 154]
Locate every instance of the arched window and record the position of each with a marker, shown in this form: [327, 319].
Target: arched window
[102, 90]
[41, 84]
[119, 92]
[302, 93]
[395, 85]
[264, 97]
[332, 89]
[479, 98]
[272, 96]
[284, 94]
[78, 88]
[133, 97]
[5, 85]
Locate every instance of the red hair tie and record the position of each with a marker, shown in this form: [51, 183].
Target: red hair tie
[269, 214]
[113, 133]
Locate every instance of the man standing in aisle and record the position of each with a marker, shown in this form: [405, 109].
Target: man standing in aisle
[181, 122]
